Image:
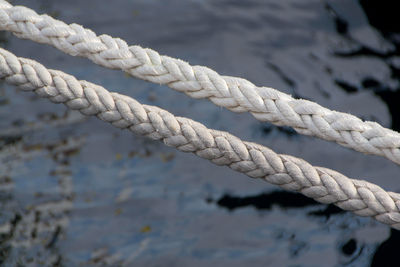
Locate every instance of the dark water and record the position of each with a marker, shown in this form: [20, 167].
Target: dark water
[77, 192]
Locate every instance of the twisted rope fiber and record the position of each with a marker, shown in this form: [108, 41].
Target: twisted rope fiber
[323, 185]
[235, 94]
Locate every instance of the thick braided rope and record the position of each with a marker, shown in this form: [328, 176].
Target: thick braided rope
[235, 94]
[221, 148]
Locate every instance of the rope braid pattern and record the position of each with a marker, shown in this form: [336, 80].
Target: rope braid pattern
[323, 185]
[235, 94]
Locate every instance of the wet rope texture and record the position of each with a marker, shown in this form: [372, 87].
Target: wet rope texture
[257, 161]
[235, 94]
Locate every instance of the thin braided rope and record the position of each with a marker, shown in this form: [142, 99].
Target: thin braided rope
[235, 94]
[323, 185]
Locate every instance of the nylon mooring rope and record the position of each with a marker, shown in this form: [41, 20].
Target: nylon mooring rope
[235, 94]
[323, 185]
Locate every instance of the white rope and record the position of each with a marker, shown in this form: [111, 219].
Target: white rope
[323, 185]
[235, 94]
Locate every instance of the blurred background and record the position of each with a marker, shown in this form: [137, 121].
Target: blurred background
[75, 191]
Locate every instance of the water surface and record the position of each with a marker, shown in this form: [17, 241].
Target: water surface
[77, 192]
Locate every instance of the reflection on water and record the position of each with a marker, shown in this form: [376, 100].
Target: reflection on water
[74, 191]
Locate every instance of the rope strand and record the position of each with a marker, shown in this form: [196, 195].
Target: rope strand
[235, 94]
[221, 148]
